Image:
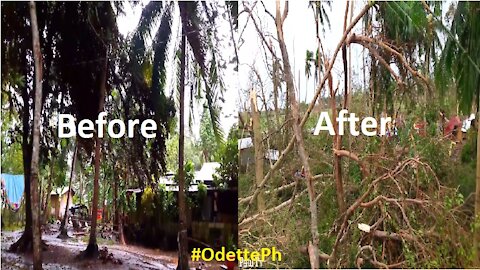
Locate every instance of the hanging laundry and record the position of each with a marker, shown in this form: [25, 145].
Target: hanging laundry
[13, 187]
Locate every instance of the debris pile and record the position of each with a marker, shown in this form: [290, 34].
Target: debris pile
[106, 257]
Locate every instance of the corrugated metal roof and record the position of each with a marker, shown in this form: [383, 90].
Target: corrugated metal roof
[245, 143]
[207, 171]
[272, 154]
[59, 191]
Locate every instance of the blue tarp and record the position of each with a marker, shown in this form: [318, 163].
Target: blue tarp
[14, 186]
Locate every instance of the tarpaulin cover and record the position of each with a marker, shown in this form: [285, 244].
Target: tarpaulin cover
[14, 186]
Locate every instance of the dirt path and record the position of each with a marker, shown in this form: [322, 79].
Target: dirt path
[62, 254]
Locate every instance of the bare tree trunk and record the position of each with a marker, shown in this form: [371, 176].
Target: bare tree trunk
[349, 101]
[80, 197]
[344, 58]
[275, 92]
[121, 237]
[37, 252]
[63, 226]
[257, 143]
[182, 234]
[337, 140]
[279, 19]
[92, 248]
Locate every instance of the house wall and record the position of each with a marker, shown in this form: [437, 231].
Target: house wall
[57, 205]
[247, 157]
[63, 203]
[54, 205]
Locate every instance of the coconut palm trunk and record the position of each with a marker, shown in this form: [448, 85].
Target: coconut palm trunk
[182, 234]
[37, 252]
[92, 248]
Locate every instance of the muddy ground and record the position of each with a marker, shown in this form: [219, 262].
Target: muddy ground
[63, 254]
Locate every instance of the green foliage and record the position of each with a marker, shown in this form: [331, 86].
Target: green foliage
[469, 150]
[453, 201]
[460, 57]
[191, 152]
[227, 155]
[435, 152]
[189, 173]
[202, 190]
[404, 21]
[189, 170]
[148, 205]
[11, 155]
[208, 141]
[13, 221]
[12, 158]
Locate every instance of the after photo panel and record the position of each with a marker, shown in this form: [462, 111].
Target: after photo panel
[359, 136]
[119, 135]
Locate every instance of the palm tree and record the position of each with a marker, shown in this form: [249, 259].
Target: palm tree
[405, 26]
[196, 37]
[86, 83]
[460, 61]
[308, 69]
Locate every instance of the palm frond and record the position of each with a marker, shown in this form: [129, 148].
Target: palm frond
[405, 21]
[191, 24]
[214, 115]
[160, 53]
[150, 15]
[460, 55]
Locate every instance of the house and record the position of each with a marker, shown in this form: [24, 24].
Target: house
[272, 155]
[247, 153]
[213, 219]
[206, 174]
[58, 201]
